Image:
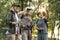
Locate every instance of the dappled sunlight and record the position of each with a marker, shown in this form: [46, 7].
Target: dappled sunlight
[50, 7]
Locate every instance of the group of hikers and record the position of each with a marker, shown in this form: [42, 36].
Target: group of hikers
[20, 24]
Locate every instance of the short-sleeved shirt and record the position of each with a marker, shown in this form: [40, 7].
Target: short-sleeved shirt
[27, 20]
[41, 24]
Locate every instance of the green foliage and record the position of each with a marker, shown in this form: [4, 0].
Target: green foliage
[55, 7]
[52, 1]
[5, 5]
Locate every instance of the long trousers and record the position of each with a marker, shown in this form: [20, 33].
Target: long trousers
[12, 37]
[42, 36]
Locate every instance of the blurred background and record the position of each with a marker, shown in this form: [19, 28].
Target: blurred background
[53, 11]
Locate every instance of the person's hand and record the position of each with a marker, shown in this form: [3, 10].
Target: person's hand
[41, 28]
[15, 22]
[37, 28]
[19, 20]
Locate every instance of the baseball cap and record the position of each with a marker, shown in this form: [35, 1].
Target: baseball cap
[28, 8]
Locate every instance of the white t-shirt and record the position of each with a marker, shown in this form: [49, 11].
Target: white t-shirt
[17, 28]
[16, 15]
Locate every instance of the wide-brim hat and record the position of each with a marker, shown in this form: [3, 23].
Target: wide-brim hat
[15, 4]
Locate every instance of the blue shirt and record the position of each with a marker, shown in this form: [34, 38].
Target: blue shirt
[41, 24]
